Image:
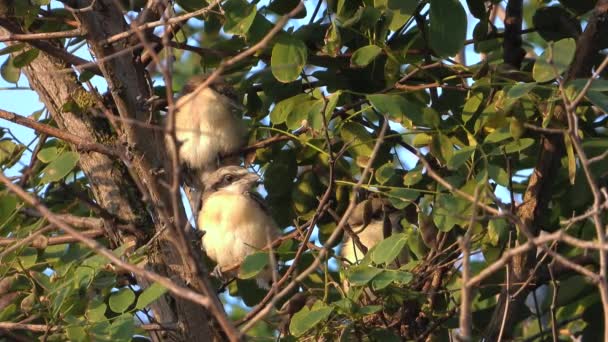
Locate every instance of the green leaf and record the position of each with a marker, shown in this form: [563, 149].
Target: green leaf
[555, 22]
[460, 157]
[422, 140]
[333, 41]
[358, 137]
[76, 333]
[497, 136]
[385, 172]
[362, 275]
[25, 58]
[571, 158]
[253, 264]
[121, 300]
[401, 11]
[445, 147]
[85, 76]
[239, 16]
[369, 310]
[388, 277]
[471, 106]
[150, 294]
[283, 7]
[396, 107]
[301, 111]
[307, 319]
[598, 99]
[96, 311]
[332, 102]
[554, 61]
[28, 257]
[123, 328]
[597, 84]
[11, 48]
[8, 206]
[387, 250]
[448, 27]
[498, 230]
[7, 150]
[477, 8]
[499, 175]
[521, 89]
[401, 198]
[519, 145]
[48, 154]
[59, 167]
[9, 72]
[413, 176]
[288, 58]
[365, 55]
[281, 110]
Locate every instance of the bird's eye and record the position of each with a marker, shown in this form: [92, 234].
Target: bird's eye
[228, 178]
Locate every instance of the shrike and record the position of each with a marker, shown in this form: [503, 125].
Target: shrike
[206, 127]
[372, 222]
[234, 221]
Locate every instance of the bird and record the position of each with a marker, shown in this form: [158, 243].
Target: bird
[234, 220]
[372, 222]
[207, 127]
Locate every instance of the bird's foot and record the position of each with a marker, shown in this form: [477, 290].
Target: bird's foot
[217, 272]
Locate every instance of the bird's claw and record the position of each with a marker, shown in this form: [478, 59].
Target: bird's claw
[217, 272]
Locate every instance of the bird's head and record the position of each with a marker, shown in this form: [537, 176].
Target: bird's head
[218, 84]
[231, 178]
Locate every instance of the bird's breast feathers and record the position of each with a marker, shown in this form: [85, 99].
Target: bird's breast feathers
[235, 226]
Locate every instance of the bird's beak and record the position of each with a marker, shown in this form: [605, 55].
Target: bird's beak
[252, 178]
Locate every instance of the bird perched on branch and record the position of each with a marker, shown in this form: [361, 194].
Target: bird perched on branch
[234, 221]
[372, 221]
[206, 127]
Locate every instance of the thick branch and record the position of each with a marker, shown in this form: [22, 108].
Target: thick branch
[80, 143]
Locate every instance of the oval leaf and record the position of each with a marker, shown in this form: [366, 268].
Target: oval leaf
[150, 294]
[361, 275]
[121, 300]
[253, 265]
[448, 28]
[289, 56]
[388, 249]
[59, 167]
[239, 16]
[365, 55]
[306, 319]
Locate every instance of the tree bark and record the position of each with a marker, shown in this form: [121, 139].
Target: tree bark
[113, 185]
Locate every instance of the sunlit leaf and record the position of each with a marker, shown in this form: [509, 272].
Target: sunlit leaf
[121, 300]
[365, 55]
[289, 56]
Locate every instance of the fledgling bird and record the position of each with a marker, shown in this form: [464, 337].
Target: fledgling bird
[234, 221]
[372, 222]
[206, 127]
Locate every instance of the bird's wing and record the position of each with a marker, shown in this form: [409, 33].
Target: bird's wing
[259, 201]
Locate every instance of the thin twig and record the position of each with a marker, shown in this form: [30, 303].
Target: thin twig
[178, 291]
[330, 241]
